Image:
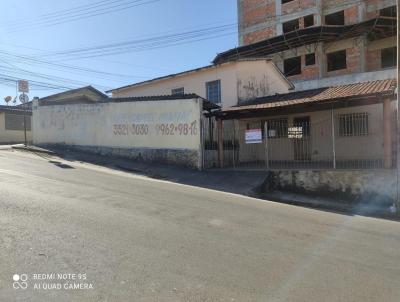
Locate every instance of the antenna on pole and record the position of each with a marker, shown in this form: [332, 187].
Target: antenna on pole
[8, 99]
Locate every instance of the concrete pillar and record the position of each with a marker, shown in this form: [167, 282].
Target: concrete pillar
[278, 14]
[387, 133]
[321, 60]
[319, 15]
[363, 44]
[220, 143]
[362, 11]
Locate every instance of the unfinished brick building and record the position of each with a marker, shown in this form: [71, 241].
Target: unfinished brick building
[320, 42]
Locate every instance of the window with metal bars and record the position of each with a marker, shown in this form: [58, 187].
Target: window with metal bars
[16, 122]
[277, 128]
[353, 124]
[178, 91]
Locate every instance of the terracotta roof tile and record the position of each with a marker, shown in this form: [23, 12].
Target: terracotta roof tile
[365, 89]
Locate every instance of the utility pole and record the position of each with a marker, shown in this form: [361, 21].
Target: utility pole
[25, 140]
[23, 86]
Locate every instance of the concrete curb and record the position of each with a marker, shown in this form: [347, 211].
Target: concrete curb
[34, 149]
[319, 203]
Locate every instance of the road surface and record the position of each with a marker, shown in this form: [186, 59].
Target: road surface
[72, 231]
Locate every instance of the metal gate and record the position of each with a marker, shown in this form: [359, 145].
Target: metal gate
[282, 143]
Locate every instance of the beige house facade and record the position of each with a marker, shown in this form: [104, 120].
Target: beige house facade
[227, 84]
[342, 127]
[318, 146]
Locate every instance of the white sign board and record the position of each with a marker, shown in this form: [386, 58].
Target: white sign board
[253, 136]
[23, 86]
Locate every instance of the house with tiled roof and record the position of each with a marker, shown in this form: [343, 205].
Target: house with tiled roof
[339, 127]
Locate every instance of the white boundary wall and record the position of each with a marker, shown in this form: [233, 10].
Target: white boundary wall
[162, 130]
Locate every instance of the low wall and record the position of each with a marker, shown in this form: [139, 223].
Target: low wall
[370, 186]
[187, 158]
[166, 131]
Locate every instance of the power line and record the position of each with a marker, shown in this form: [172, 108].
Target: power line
[145, 44]
[10, 79]
[118, 5]
[61, 66]
[23, 73]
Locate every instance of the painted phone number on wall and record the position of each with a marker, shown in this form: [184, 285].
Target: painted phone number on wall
[161, 129]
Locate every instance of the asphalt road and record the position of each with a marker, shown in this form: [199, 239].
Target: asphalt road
[137, 239]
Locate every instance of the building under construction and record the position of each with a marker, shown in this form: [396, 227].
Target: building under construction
[319, 43]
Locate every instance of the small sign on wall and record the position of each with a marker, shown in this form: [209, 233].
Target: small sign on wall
[253, 136]
[295, 132]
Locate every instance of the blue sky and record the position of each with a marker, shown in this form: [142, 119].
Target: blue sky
[23, 32]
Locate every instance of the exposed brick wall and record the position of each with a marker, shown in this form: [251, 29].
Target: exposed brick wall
[307, 72]
[353, 59]
[257, 11]
[330, 4]
[259, 35]
[310, 72]
[297, 6]
[372, 15]
[373, 59]
[351, 15]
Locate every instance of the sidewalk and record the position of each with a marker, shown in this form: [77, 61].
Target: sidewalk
[244, 183]
[248, 183]
[9, 147]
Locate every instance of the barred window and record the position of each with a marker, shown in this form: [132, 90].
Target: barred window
[16, 122]
[277, 128]
[178, 91]
[353, 124]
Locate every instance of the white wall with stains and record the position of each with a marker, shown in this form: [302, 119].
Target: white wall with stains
[153, 127]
